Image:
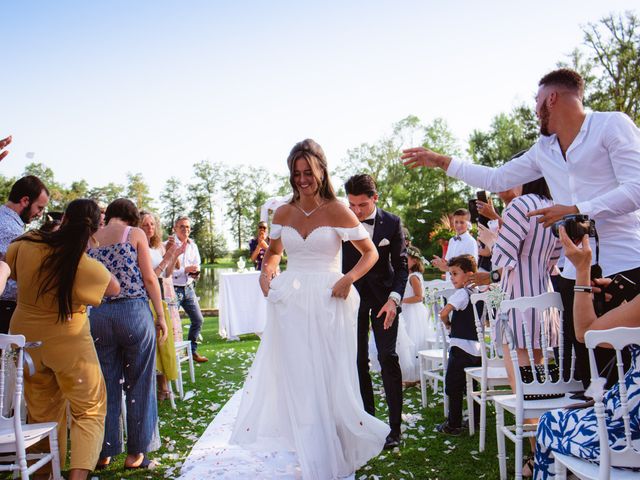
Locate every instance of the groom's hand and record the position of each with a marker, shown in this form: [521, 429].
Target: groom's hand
[389, 311]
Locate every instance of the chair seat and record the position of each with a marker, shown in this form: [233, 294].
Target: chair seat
[432, 354]
[493, 373]
[533, 408]
[586, 469]
[32, 433]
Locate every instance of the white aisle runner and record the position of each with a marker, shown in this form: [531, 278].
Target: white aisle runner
[213, 457]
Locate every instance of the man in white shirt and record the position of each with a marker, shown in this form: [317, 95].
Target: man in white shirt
[183, 281]
[591, 162]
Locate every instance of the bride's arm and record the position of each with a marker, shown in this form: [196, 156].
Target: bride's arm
[270, 264]
[368, 259]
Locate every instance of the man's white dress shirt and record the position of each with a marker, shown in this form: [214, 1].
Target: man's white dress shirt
[191, 256]
[601, 176]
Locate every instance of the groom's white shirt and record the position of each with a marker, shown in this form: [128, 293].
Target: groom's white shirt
[370, 228]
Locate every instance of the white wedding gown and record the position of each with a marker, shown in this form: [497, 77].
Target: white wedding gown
[301, 394]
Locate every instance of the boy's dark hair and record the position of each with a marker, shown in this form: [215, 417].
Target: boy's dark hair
[465, 262]
[538, 187]
[461, 212]
[564, 77]
[29, 186]
[125, 210]
[361, 184]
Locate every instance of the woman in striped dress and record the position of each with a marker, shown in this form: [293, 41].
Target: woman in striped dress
[527, 253]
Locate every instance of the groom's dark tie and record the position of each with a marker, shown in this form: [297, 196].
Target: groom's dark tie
[369, 221]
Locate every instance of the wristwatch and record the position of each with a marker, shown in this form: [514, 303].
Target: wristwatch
[494, 275]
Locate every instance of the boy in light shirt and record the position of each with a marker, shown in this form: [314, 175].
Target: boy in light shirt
[464, 348]
[462, 243]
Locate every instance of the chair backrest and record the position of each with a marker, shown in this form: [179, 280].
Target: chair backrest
[441, 331]
[624, 455]
[485, 318]
[11, 373]
[543, 304]
[433, 302]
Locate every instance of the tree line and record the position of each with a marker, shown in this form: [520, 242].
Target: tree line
[608, 59]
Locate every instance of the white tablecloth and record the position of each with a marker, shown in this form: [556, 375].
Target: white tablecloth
[242, 306]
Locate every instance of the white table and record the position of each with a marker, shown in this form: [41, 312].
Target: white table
[242, 306]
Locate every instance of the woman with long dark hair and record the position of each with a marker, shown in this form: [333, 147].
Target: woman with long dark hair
[56, 280]
[125, 335]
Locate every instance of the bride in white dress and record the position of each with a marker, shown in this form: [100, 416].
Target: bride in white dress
[301, 393]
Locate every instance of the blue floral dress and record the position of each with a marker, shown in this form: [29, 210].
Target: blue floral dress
[575, 432]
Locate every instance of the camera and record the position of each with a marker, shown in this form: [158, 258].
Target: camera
[576, 225]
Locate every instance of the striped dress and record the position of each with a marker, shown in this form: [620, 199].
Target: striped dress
[527, 253]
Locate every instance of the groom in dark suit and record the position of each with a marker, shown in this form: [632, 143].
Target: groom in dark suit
[381, 291]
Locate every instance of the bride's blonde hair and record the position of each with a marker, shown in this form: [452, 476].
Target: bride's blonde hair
[314, 155]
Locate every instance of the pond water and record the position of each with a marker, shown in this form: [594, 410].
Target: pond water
[207, 285]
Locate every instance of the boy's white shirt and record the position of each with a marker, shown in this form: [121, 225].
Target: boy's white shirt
[459, 301]
[466, 245]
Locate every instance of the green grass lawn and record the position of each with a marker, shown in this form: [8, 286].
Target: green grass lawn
[425, 454]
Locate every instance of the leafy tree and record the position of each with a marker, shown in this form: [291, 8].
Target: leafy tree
[138, 191]
[245, 190]
[107, 193]
[173, 201]
[419, 196]
[508, 134]
[5, 187]
[610, 64]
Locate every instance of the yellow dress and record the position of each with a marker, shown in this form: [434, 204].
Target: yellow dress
[67, 369]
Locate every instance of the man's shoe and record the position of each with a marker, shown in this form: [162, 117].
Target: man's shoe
[199, 358]
[392, 441]
[449, 430]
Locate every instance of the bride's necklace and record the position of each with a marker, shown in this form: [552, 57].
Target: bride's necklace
[308, 214]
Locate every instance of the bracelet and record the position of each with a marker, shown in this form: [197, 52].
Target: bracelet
[582, 288]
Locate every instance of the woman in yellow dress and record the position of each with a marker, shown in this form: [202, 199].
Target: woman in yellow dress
[56, 281]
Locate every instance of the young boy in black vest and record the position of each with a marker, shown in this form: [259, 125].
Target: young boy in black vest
[464, 348]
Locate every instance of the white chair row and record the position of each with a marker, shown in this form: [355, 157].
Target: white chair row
[16, 437]
[626, 456]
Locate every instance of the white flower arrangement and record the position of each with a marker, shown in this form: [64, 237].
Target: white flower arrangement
[496, 296]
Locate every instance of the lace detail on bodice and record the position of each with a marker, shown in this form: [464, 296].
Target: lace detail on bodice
[320, 250]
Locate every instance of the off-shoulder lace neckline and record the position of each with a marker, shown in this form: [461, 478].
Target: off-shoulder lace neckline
[303, 237]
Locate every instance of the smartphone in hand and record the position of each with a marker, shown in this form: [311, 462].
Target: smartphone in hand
[621, 288]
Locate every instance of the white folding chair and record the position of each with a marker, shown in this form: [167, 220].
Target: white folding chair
[433, 362]
[624, 455]
[541, 384]
[15, 437]
[183, 354]
[491, 374]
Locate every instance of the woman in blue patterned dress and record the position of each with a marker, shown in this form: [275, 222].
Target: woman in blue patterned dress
[574, 432]
[125, 336]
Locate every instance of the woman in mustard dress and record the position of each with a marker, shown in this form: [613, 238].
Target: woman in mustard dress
[56, 281]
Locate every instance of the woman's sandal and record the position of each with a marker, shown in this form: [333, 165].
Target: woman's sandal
[529, 464]
[102, 466]
[146, 464]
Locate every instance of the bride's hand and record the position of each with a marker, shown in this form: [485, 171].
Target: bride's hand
[342, 287]
[265, 282]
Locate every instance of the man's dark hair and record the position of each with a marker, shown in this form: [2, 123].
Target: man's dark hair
[564, 77]
[461, 212]
[361, 184]
[538, 187]
[125, 210]
[29, 186]
[466, 263]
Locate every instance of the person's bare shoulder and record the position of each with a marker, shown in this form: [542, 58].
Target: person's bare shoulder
[340, 215]
[282, 215]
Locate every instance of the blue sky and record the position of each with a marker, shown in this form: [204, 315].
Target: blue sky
[99, 89]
